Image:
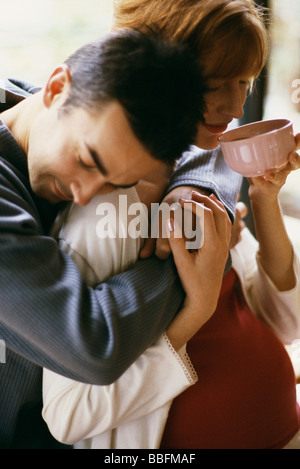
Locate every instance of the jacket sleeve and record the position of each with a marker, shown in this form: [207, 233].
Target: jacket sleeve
[75, 411]
[50, 316]
[207, 169]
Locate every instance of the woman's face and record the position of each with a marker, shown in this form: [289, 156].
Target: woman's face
[224, 102]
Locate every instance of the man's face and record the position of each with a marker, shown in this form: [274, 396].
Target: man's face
[80, 154]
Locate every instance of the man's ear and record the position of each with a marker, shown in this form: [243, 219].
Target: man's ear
[58, 85]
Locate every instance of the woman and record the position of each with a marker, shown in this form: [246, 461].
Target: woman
[229, 38]
[231, 41]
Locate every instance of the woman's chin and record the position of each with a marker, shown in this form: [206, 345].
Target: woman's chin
[207, 144]
[206, 140]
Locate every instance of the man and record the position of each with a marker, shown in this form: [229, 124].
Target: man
[112, 114]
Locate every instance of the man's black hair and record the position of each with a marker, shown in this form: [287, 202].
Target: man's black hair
[159, 85]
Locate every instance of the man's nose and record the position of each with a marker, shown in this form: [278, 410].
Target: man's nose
[84, 192]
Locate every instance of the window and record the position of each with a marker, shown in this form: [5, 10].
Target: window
[42, 34]
[283, 90]
[35, 35]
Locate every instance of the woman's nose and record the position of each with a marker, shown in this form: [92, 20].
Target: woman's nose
[234, 107]
[233, 104]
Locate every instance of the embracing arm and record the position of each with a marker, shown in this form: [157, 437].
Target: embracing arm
[206, 169]
[50, 316]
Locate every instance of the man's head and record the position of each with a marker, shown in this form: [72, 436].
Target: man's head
[114, 112]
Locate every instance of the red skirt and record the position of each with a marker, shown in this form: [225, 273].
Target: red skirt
[245, 397]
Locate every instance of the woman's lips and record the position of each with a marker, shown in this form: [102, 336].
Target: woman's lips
[216, 128]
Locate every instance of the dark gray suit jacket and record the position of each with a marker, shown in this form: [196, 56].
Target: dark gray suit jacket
[49, 317]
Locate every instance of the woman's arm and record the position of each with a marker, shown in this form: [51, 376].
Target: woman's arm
[269, 266]
[275, 252]
[201, 270]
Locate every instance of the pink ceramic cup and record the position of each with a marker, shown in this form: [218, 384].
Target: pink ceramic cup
[256, 148]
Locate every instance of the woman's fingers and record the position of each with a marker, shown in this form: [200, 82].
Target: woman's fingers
[239, 224]
[220, 216]
[297, 141]
[294, 159]
[241, 210]
[182, 257]
[195, 265]
[213, 221]
[190, 219]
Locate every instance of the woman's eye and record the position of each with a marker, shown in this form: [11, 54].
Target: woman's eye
[213, 86]
[212, 89]
[245, 83]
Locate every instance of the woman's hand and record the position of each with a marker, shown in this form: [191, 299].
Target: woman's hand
[275, 247]
[200, 271]
[241, 211]
[267, 187]
[161, 245]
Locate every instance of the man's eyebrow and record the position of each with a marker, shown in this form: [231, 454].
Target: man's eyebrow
[97, 160]
[103, 170]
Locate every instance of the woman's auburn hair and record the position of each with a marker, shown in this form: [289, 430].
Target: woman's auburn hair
[234, 30]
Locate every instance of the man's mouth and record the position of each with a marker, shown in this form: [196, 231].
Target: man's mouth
[59, 193]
